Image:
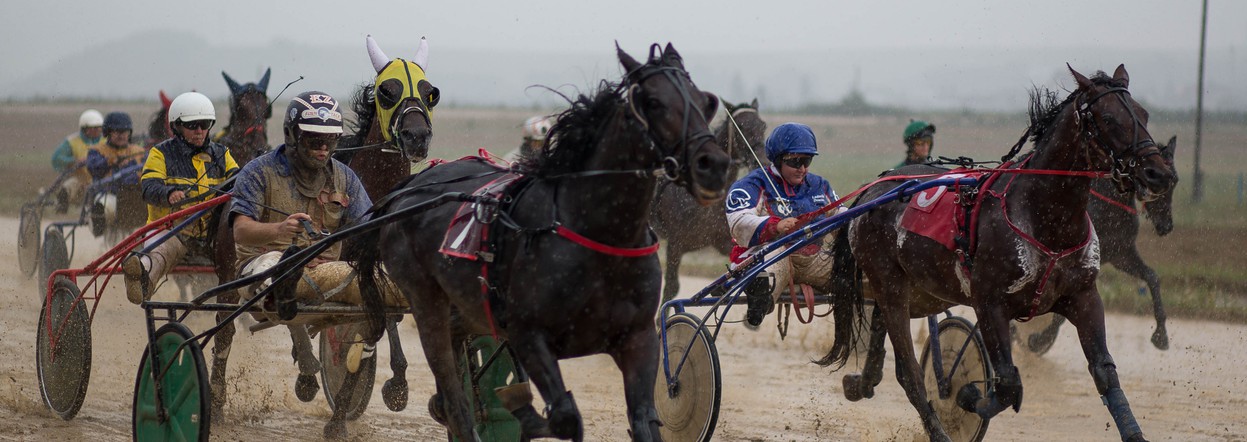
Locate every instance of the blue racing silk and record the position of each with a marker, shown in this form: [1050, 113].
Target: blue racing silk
[753, 208]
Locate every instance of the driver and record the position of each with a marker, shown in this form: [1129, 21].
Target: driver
[280, 195]
[919, 138]
[765, 205]
[534, 132]
[71, 154]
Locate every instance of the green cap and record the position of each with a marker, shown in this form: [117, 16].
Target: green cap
[918, 129]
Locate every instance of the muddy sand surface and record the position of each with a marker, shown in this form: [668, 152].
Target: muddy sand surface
[1196, 391]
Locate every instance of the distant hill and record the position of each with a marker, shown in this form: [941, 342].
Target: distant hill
[946, 79]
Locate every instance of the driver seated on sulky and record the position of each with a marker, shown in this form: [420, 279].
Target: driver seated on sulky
[296, 187]
[766, 204]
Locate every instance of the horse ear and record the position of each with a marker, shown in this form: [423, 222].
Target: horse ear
[263, 84]
[233, 85]
[712, 105]
[729, 107]
[1083, 82]
[755, 103]
[1167, 151]
[630, 64]
[422, 55]
[379, 60]
[1120, 75]
[165, 101]
[671, 57]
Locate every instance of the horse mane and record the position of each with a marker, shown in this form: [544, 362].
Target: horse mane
[364, 106]
[576, 130]
[1044, 105]
[158, 124]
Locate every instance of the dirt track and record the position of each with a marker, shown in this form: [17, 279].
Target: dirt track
[1195, 391]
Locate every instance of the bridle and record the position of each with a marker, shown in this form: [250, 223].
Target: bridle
[689, 141]
[1128, 160]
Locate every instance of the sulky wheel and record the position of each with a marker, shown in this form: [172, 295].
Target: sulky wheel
[185, 398]
[335, 343]
[28, 240]
[63, 349]
[689, 408]
[55, 255]
[970, 372]
[1038, 334]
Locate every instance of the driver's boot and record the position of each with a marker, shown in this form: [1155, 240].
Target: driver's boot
[760, 303]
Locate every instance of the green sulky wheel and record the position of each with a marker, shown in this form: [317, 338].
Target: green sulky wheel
[969, 371]
[689, 408]
[63, 349]
[184, 390]
[335, 342]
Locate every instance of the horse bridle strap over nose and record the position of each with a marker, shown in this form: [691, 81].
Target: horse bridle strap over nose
[1137, 150]
[671, 166]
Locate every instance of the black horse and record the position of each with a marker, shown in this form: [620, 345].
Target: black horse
[1116, 223]
[246, 134]
[1033, 251]
[687, 225]
[571, 270]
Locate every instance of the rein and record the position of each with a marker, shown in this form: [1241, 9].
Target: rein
[1119, 204]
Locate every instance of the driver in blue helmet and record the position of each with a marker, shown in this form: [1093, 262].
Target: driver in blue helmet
[765, 205]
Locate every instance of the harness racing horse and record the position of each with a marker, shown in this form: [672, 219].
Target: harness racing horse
[1117, 225]
[688, 226]
[570, 270]
[158, 129]
[1034, 251]
[394, 121]
[246, 135]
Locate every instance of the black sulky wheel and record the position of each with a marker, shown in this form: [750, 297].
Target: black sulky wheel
[689, 409]
[28, 231]
[971, 371]
[335, 344]
[185, 395]
[55, 255]
[63, 349]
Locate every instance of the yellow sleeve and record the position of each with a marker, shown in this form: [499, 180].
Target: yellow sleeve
[154, 168]
[231, 167]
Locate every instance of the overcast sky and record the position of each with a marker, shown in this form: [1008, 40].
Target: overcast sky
[38, 34]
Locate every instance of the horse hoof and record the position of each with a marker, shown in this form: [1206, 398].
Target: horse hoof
[335, 431]
[968, 396]
[436, 411]
[394, 393]
[853, 387]
[305, 387]
[1160, 339]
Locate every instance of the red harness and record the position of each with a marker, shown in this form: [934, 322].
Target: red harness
[1114, 202]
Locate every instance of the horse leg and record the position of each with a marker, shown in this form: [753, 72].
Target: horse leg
[993, 325]
[1086, 312]
[908, 372]
[637, 359]
[1043, 338]
[671, 278]
[543, 368]
[220, 357]
[394, 392]
[1131, 263]
[862, 385]
[336, 427]
[433, 323]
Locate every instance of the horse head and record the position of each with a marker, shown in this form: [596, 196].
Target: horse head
[405, 100]
[1114, 121]
[675, 114]
[248, 119]
[158, 129]
[743, 130]
[1160, 210]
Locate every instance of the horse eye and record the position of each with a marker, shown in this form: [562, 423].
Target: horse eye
[389, 92]
[430, 94]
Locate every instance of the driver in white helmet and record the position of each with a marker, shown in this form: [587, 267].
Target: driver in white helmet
[535, 131]
[179, 172]
[71, 155]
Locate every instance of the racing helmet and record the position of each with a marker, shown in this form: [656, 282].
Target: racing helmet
[90, 118]
[312, 111]
[191, 106]
[537, 128]
[117, 121]
[917, 129]
[790, 138]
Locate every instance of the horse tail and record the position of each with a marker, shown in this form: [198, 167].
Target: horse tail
[846, 293]
[364, 254]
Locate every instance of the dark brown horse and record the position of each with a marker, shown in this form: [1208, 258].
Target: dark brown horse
[1035, 252]
[1116, 223]
[158, 128]
[557, 297]
[246, 134]
[393, 121]
[687, 225]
